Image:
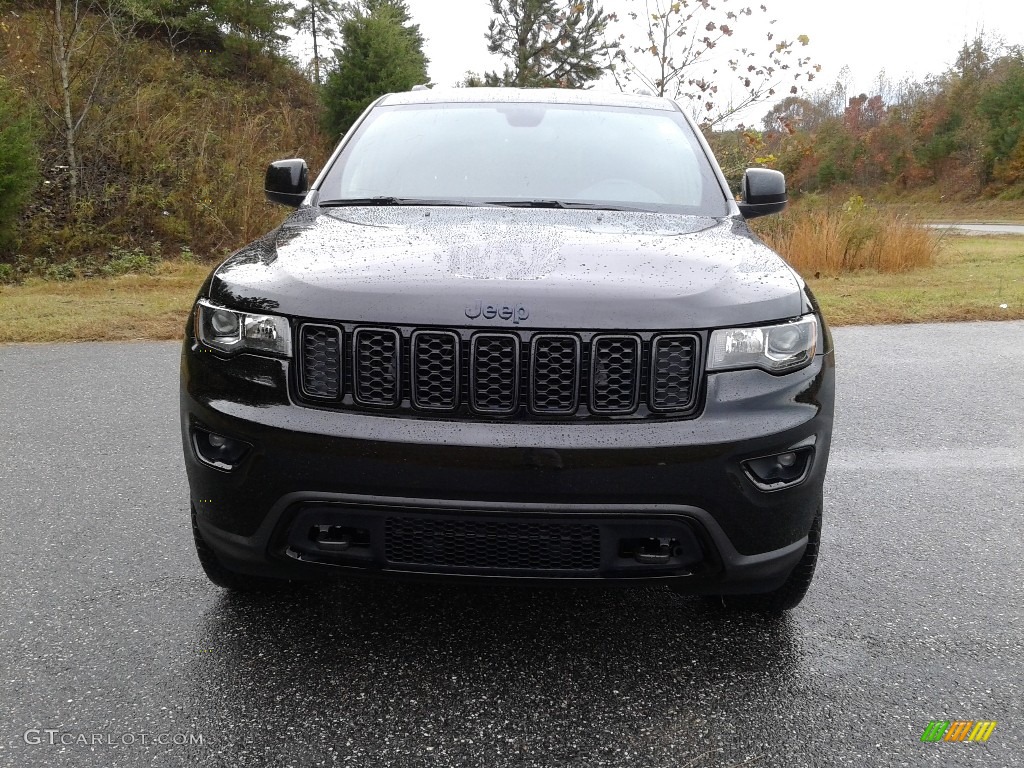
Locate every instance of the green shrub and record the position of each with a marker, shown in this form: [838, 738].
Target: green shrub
[125, 261]
[7, 275]
[19, 160]
[62, 273]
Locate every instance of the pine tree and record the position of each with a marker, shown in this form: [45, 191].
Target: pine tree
[549, 45]
[382, 52]
[19, 159]
[254, 25]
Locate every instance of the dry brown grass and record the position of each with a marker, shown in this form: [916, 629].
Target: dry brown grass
[102, 309]
[841, 240]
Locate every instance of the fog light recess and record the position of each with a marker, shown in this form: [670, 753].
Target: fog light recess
[773, 473]
[218, 451]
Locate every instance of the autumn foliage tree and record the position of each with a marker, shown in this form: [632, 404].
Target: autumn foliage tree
[685, 52]
[962, 131]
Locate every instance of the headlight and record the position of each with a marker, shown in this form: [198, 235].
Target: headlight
[773, 348]
[231, 331]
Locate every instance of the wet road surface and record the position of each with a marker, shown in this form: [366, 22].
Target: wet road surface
[979, 229]
[115, 651]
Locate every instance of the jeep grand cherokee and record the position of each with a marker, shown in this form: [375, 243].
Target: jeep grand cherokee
[523, 335]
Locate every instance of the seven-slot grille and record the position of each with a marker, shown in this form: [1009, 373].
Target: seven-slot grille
[673, 360]
[377, 365]
[501, 373]
[615, 374]
[321, 361]
[555, 374]
[435, 363]
[494, 373]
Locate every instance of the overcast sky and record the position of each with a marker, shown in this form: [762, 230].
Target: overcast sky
[905, 37]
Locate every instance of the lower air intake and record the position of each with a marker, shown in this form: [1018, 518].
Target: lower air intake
[492, 545]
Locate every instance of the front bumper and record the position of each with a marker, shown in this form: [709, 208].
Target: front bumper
[678, 484]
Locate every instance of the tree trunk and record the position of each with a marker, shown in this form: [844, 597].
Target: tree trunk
[316, 54]
[62, 53]
[662, 82]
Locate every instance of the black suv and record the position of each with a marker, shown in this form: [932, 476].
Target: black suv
[511, 334]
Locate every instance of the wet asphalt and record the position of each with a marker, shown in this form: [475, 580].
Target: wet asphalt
[979, 229]
[116, 651]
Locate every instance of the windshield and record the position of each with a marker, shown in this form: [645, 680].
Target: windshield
[549, 155]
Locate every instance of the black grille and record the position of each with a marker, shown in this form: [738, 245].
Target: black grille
[321, 361]
[435, 370]
[673, 385]
[555, 374]
[377, 361]
[495, 373]
[497, 545]
[519, 374]
[615, 374]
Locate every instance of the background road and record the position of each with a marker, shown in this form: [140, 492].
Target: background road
[980, 229]
[108, 627]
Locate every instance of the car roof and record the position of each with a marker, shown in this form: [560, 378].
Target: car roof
[527, 96]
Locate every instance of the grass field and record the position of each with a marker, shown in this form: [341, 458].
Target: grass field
[973, 278]
[147, 306]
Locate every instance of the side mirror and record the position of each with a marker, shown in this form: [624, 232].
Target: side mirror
[287, 182]
[764, 192]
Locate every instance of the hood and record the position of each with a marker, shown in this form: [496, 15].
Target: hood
[535, 268]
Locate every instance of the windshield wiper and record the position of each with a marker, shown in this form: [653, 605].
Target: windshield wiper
[396, 201]
[529, 203]
[384, 200]
[562, 204]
